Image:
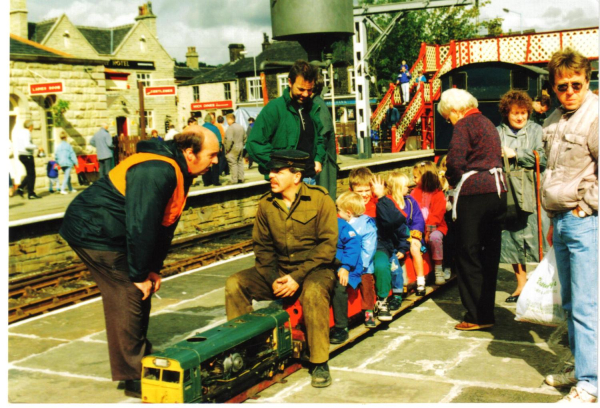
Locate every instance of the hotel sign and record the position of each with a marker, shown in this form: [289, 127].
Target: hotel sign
[160, 90]
[127, 64]
[212, 105]
[47, 88]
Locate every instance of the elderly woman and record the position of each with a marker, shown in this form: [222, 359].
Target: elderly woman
[520, 137]
[474, 168]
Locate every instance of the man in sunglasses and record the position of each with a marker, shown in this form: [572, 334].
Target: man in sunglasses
[570, 197]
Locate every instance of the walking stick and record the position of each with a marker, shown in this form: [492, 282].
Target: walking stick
[539, 204]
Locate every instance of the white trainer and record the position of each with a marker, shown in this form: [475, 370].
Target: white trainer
[579, 395]
[447, 273]
[564, 379]
[439, 277]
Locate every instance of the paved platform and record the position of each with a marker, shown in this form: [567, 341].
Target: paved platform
[419, 358]
[53, 206]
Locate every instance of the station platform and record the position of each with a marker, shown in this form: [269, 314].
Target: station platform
[52, 206]
[62, 357]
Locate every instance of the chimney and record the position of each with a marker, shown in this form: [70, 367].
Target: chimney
[18, 18]
[235, 52]
[147, 17]
[266, 44]
[191, 58]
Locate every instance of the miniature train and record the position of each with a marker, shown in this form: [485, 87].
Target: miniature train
[220, 363]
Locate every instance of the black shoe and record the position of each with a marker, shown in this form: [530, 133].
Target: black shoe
[320, 376]
[338, 335]
[133, 388]
[421, 290]
[20, 192]
[394, 302]
[33, 196]
[512, 299]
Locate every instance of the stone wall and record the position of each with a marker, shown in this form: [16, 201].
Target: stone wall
[39, 247]
[84, 90]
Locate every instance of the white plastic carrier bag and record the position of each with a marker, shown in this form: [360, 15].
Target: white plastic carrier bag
[540, 301]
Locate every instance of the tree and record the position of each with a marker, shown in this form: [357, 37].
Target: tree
[431, 26]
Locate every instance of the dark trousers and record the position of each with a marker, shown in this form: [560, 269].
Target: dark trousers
[105, 167]
[126, 315]
[29, 180]
[478, 241]
[315, 292]
[339, 299]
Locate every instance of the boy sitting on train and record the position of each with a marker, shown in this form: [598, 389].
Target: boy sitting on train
[351, 208]
[397, 184]
[348, 256]
[392, 235]
[431, 199]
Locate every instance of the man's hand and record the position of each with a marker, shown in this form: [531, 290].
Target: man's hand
[400, 255]
[378, 186]
[318, 167]
[285, 286]
[343, 275]
[150, 285]
[549, 235]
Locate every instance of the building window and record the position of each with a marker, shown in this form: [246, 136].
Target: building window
[48, 103]
[227, 91]
[196, 90]
[67, 39]
[326, 82]
[254, 89]
[142, 44]
[282, 81]
[149, 117]
[145, 78]
[351, 80]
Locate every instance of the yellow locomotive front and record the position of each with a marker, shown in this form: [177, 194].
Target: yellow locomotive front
[165, 381]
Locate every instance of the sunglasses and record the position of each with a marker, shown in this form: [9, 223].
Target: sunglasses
[575, 85]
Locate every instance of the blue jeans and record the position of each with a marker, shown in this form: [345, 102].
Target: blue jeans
[67, 179]
[576, 248]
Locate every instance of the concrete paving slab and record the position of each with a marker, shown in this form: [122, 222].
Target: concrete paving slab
[351, 386]
[76, 358]
[23, 347]
[487, 395]
[45, 388]
[505, 364]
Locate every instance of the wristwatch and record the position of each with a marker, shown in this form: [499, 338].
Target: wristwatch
[581, 213]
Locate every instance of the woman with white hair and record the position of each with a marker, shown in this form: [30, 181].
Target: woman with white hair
[474, 168]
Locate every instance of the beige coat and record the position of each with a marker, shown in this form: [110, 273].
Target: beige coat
[571, 145]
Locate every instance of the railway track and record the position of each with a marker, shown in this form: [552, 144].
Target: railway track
[35, 295]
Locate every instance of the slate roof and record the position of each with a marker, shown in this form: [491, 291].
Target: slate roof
[186, 73]
[222, 73]
[100, 38]
[277, 51]
[22, 46]
[37, 31]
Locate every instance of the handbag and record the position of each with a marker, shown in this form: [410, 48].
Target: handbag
[521, 186]
[540, 301]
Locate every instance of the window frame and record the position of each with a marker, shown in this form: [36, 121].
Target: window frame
[250, 87]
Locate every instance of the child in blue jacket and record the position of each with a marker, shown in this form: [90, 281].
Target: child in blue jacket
[397, 184]
[348, 256]
[52, 172]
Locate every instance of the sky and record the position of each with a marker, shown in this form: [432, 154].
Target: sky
[211, 25]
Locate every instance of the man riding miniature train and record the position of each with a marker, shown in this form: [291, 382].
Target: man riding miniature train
[295, 237]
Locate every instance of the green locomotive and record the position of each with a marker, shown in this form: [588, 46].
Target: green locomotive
[215, 365]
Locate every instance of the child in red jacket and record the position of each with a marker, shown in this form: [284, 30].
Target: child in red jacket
[432, 201]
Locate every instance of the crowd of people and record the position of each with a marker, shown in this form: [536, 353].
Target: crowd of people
[312, 246]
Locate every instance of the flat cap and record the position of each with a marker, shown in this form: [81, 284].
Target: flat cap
[288, 158]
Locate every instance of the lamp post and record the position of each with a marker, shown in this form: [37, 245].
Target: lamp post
[254, 58]
[520, 18]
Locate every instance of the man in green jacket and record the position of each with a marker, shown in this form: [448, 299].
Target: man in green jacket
[122, 226]
[291, 121]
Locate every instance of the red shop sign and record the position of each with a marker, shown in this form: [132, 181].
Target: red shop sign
[47, 88]
[160, 90]
[212, 105]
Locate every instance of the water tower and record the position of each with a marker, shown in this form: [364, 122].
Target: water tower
[315, 24]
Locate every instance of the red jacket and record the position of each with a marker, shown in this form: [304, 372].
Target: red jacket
[437, 208]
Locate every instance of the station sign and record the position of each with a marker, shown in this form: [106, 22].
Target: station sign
[170, 90]
[47, 88]
[211, 105]
[128, 64]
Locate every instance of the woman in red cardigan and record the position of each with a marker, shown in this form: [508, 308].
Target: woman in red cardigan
[432, 201]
